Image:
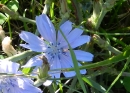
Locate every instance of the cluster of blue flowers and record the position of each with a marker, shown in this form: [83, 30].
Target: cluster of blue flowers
[53, 48]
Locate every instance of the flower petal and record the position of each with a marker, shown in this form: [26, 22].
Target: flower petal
[80, 41]
[26, 86]
[34, 42]
[30, 38]
[67, 63]
[67, 59]
[72, 36]
[46, 28]
[8, 67]
[55, 64]
[34, 61]
[65, 28]
[35, 47]
[69, 73]
[83, 56]
[83, 71]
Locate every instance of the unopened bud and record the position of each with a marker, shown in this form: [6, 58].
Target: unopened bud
[102, 43]
[43, 70]
[43, 73]
[7, 47]
[2, 33]
[1, 27]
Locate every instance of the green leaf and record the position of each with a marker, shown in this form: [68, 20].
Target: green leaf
[1, 57]
[3, 18]
[109, 61]
[119, 75]
[13, 5]
[27, 70]
[20, 56]
[52, 10]
[3, 1]
[93, 84]
[76, 67]
[126, 83]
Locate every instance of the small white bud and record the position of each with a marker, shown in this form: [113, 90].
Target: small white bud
[0, 27]
[2, 33]
[7, 47]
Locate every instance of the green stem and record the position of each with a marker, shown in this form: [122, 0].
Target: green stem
[24, 19]
[109, 61]
[72, 86]
[47, 6]
[115, 34]
[100, 18]
[114, 59]
[105, 45]
[10, 33]
[78, 11]
[20, 56]
[64, 11]
[125, 66]
[15, 15]
[96, 20]
[77, 70]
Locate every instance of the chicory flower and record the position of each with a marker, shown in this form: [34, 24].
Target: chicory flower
[54, 47]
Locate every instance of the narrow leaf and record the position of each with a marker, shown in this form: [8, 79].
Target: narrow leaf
[94, 84]
[76, 67]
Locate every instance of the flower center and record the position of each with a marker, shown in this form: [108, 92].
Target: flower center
[55, 50]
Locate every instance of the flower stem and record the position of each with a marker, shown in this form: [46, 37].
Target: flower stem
[64, 11]
[47, 6]
[97, 16]
[103, 44]
[24, 19]
[15, 15]
[109, 61]
[119, 75]
[20, 56]
[78, 12]
[100, 18]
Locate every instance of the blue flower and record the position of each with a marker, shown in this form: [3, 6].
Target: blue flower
[14, 84]
[54, 46]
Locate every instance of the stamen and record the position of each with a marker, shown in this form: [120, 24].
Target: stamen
[59, 57]
[55, 50]
[58, 43]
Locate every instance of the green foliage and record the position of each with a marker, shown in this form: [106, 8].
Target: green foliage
[3, 18]
[126, 83]
[13, 5]
[110, 48]
[76, 67]
[27, 70]
[94, 84]
[4, 1]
